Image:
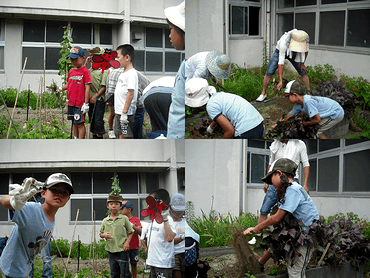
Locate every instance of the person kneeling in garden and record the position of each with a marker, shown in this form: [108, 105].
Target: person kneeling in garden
[293, 199]
[322, 110]
[233, 113]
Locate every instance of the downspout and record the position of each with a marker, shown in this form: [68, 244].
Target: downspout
[226, 27]
[243, 182]
[268, 27]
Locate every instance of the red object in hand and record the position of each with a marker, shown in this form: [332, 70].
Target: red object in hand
[154, 209]
[105, 61]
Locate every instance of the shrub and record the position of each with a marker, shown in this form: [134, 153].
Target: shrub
[360, 87]
[319, 73]
[64, 247]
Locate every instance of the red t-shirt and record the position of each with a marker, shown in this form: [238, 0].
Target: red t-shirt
[77, 78]
[134, 243]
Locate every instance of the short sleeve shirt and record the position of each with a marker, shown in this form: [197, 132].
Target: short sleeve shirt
[283, 44]
[180, 230]
[195, 67]
[241, 114]
[134, 243]
[77, 78]
[98, 80]
[119, 229]
[300, 204]
[32, 231]
[127, 80]
[313, 105]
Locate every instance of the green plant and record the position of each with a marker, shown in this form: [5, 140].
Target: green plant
[277, 270]
[115, 188]
[320, 73]
[64, 63]
[360, 87]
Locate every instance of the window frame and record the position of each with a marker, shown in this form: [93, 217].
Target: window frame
[244, 4]
[2, 42]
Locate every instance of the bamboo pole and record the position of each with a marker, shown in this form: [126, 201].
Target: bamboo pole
[73, 236]
[94, 248]
[16, 99]
[323, 254]
[40, 110]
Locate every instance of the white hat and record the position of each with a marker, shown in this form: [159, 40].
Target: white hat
[197, 92]
[59, 178]
[177, 202]
[176, 15]
[298, 41]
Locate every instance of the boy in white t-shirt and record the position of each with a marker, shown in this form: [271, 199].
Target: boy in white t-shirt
[177, 209]
[161, 241]
[125, 94]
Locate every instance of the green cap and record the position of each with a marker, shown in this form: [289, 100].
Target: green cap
[284, 165]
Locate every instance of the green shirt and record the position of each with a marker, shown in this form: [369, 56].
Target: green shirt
[119, 229]
[98, 80]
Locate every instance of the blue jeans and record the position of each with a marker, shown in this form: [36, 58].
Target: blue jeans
[47, 266]
[254, 133]
[273, 65]
[270, 199]
[138, 123]
[119, 265]
[176, 116]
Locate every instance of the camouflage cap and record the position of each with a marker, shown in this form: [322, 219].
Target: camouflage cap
[295, 87]
[114, 198]
[284, 165]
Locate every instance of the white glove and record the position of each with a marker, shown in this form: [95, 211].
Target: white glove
[124, 119]
[210, 129]
[85, 108]
[60, 88]
[19, 194]
[165, 214]
[182, 237]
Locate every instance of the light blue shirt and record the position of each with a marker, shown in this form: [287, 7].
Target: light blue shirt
[176, 116]
[313, 105]
[241, 114]
[30, 234]
[300, 204]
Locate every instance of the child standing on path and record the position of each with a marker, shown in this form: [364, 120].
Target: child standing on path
[34, 222]
[125, 94]
[117, 230]
[177, 209]
[78, 91]
[161, 244]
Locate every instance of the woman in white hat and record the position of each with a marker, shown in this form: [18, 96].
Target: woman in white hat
[233, 113]
[293, 46]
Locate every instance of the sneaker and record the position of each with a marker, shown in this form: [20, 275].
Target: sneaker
[261, 97]
[111, 134]
[252, 241]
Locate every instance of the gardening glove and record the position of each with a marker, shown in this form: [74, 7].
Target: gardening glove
[19, 194]
[182, 237]
[165, 214]
[85, 108]
[210, 129]
[124, 119]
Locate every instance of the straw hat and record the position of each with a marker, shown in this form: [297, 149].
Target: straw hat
[298, 41]
[176, 15]
[218, 64]
[197, 92]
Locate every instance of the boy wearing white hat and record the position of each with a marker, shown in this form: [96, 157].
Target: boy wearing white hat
[34, 222]
[293, 46]
[233, 113]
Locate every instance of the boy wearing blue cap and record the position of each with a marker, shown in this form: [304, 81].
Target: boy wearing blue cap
[78, 91]
[127, 208]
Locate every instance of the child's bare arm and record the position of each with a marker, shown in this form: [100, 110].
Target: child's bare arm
[168, 233]
[126, 245]
[5, 202]
[129, 98]
[87, 93]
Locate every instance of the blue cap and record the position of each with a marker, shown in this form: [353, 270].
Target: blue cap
[76, 52]
[128, 204]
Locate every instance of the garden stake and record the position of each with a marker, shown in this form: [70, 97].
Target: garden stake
[60, 253]
[40, 105]
[11, 120]
[16, 99]
[28, 100]
[70, 248]
[73, 119]
[323, 254]
[78, 254]
[93, 273]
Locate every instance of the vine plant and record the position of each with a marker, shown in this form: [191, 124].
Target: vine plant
[64, 63]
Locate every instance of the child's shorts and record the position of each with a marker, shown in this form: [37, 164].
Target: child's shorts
[134, 256]
[160, 272]
[75, 114]
[118, 129]
[179, 262]
[327, 123]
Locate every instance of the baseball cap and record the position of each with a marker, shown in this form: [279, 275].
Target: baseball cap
[59, 178]
[176, 15]
[114, 198]
[284, 165]
[295, 87]
[76, 52]
[197, 92]
[298, 41]
[177, 202]
[218, 64]
[128, 204]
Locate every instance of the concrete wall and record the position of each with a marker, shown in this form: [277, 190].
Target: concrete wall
[246, 53]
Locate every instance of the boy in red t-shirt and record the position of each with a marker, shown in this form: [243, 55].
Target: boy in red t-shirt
[127, 209]
[78, 91]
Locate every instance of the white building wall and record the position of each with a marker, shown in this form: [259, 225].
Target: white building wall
[247, 53]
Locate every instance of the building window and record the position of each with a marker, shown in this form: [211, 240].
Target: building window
[244, 18]
[327, 22]
[2, 43]
[41, 40]
[156, 53]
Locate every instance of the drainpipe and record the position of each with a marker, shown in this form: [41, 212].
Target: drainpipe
[268, 27]
[226, 24]
[243, 183]
[173, 187]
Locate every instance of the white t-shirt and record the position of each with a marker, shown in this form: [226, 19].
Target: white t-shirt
[160, 251]
[127, 80]
[180, 230]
